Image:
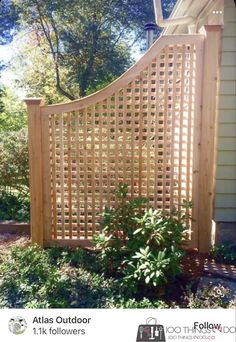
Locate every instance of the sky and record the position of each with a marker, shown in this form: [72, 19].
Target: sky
[6, 54]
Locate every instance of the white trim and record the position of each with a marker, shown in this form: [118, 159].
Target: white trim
[184, 7]
[186, 20]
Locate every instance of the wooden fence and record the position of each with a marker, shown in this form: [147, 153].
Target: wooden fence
[144, 130]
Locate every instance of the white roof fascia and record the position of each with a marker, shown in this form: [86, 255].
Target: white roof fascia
[187, 7]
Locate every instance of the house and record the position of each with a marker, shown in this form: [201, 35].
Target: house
[219, 12]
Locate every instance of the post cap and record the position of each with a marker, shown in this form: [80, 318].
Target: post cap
[150, 26]
[211, 28]
[34, 101]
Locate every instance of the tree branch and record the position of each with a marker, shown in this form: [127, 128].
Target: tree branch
[46, 31]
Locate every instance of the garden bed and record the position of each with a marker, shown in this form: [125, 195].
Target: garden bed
[73, 278]
[10, 240]
[11, 226]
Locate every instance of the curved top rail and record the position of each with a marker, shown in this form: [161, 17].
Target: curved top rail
[126, 78]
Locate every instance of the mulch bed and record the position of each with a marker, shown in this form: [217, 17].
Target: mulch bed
[194, 264]
[8, 240]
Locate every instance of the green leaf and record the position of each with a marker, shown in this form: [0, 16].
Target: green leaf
[137, 231]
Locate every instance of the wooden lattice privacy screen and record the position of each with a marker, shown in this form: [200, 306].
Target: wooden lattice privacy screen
[143, 130]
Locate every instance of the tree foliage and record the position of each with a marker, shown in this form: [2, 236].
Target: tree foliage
[14, 169]
[8, 21]
[66, 49]
[89, 39]
[83, 44]
[12, 112]
[34, 73]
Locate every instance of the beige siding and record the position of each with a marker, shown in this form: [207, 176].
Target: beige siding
[226, 158]
[226, 144]
[228, 58]
[225, 186]
[228, 116]
[226, 171]
[228, 73]
[228, 44]
[225, 192]
[225, 215]
[230, 29]
[227, 129]
[223, 201]
[228, 88]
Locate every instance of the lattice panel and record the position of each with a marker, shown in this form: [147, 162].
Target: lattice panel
[142, 135]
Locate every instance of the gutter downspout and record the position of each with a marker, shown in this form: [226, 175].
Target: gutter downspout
[187, 20]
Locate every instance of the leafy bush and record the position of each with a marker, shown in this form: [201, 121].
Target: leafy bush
[14, 207]
[91, 290]
[118, 226]
[14, 176]
[143, 246]
[36, 280]
[45, 279]
[224, 253]
[60, 278]
[145, 303]
[14, 167]
[13, 115]
[75, 258]
[159, 261]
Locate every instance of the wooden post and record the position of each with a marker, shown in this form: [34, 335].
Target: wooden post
[35, 164]
[47, 209]
[208, 134]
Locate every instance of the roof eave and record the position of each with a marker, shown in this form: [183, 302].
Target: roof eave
[183, 8]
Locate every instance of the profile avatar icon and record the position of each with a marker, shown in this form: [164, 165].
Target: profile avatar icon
[17, 325]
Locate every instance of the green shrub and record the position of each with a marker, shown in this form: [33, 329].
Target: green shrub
[224, 253]
[91, 290]
[145, 303]
[14, 166]
[14, 176]
[35, 304]
[13, 116]
[58, 278]
[156, 249]
[58, 256]
[75, 258]
[118, 226]
[14, 207]
[45, 279]
[143, 246]
[27, 275]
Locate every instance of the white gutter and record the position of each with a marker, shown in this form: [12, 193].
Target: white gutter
[187, 20]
